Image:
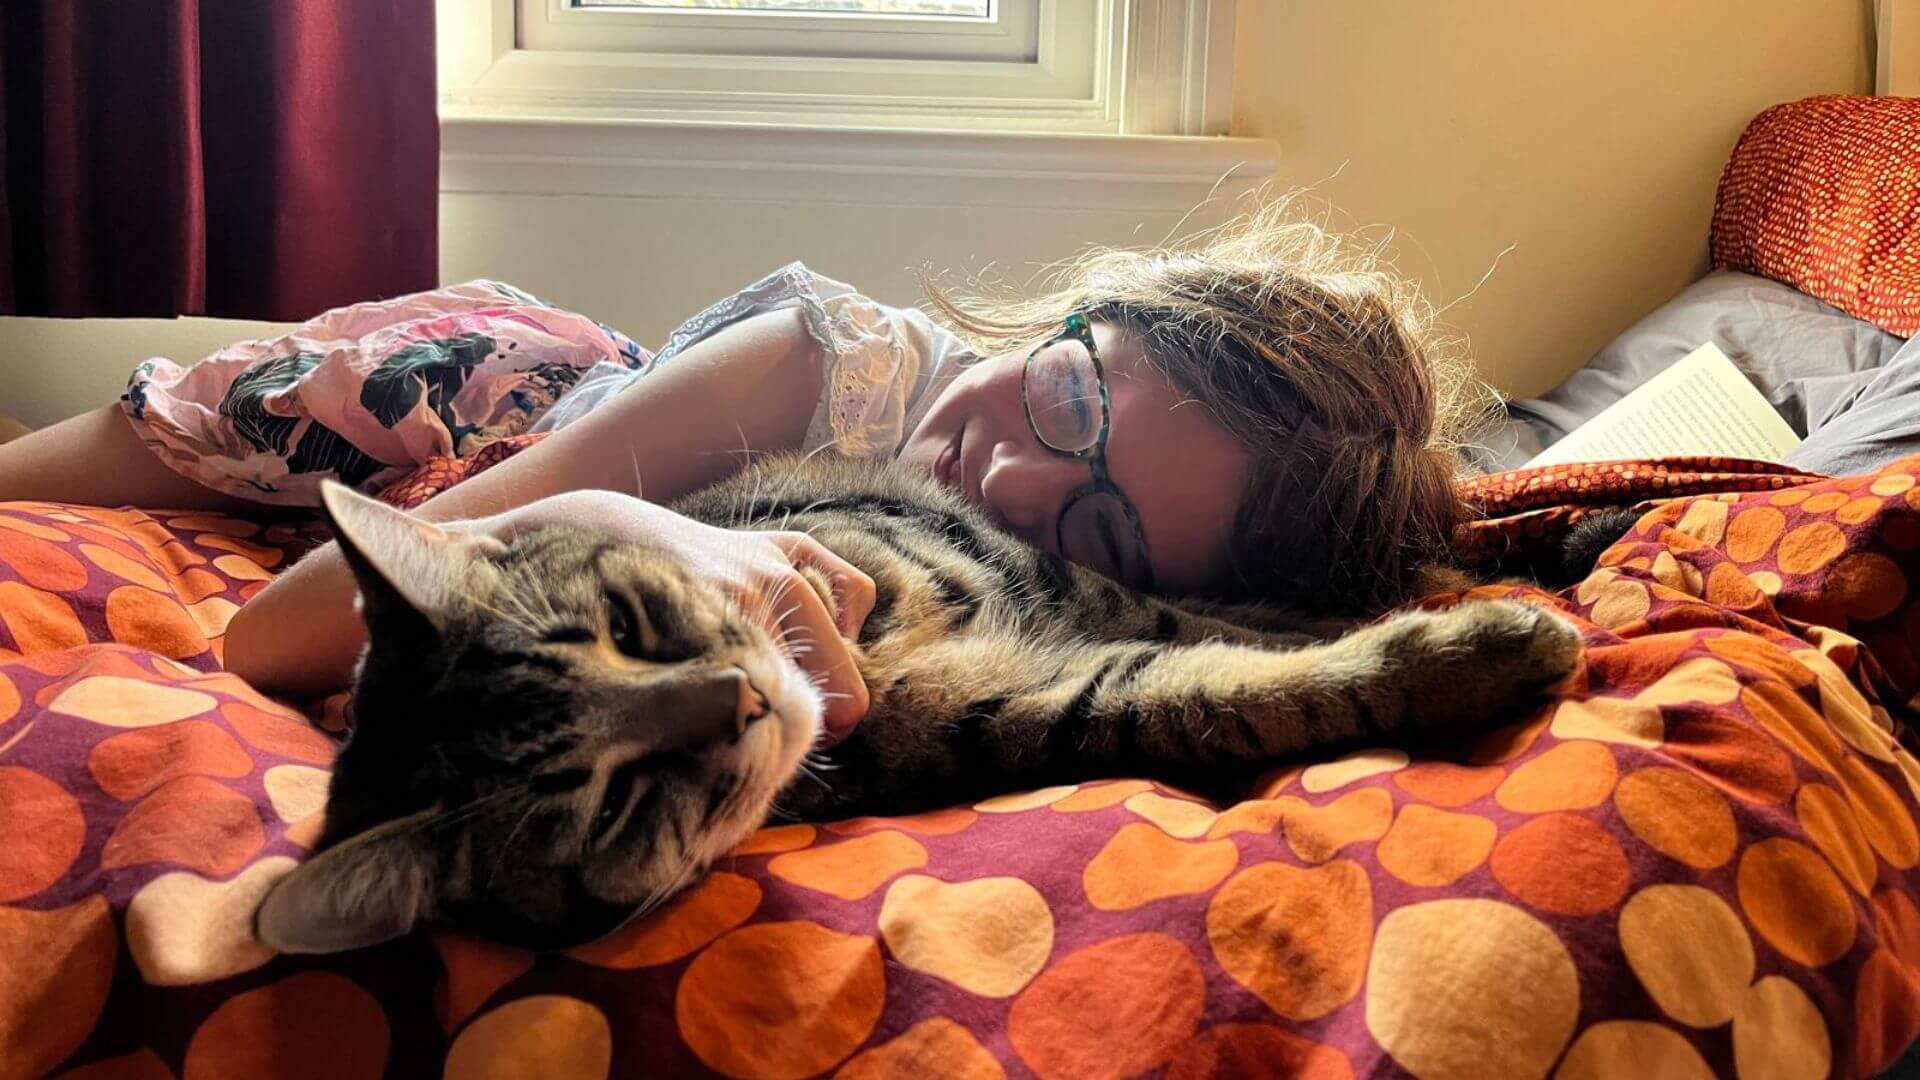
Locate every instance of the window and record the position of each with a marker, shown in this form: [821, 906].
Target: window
[977, 9]
[1158, 67]
[988, 103]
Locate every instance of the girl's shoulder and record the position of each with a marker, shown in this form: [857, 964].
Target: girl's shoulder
[882, 363]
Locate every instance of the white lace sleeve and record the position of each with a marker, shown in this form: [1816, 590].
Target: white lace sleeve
[882, 363]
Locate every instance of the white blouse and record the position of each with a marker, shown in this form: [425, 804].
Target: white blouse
[882, 362]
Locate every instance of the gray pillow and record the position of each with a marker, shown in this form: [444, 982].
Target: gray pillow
[1879, 426]
[1808, 358]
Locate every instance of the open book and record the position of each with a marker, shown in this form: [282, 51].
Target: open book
[1700, 405]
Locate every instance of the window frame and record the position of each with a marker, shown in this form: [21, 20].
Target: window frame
[1008, 34]
[1117, 67]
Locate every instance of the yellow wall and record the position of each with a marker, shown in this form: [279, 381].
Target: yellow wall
[1587, 136]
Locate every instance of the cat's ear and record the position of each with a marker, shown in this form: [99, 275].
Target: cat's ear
[368, 889]
[400, 559]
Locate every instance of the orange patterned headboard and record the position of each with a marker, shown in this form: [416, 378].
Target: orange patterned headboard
[1824, 195]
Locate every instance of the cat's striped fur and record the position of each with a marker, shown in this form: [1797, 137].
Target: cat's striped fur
[513, 770]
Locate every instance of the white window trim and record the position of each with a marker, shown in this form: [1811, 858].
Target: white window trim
[1136, 67]
[538, 59]
[1141, 132]
[1896, 68]
[774, 163]
[1009, 34]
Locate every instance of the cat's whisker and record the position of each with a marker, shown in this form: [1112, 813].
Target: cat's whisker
[517, 826]
[786, 523]
[521, 620]
[782, 639]
[738, 513]
[665, 892]
[831, 444]
[806, 769]
[774, 598]
[797, 476]
[470, 809]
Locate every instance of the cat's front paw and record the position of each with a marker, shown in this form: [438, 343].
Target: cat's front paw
[1491, 658]
[1533, 645]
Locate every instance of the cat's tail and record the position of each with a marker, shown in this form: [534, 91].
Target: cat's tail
[1549, 565]
[1589, 537]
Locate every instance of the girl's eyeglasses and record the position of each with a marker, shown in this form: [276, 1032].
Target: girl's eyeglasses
[1064, 389]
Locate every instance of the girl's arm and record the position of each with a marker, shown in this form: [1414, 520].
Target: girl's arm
[678, 429]
[752, 385]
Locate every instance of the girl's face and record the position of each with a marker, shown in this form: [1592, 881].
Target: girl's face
[1182, 471]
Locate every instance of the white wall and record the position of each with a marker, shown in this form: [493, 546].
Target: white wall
[645, 264]
[53, 368]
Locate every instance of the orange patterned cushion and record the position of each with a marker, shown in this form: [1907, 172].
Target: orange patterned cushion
[1824, 195]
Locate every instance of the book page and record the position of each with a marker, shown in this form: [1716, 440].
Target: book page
[1700, 405]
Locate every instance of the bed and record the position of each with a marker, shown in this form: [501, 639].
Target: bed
[1700, 859]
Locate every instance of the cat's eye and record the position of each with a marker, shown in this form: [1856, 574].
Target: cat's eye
[629, 629]
[614, 799]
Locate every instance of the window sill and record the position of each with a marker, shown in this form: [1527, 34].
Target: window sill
[763, 162]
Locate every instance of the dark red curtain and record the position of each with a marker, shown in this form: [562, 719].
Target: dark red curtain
[263, 159]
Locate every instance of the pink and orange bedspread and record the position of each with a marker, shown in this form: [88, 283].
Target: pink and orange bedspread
[1701, 860]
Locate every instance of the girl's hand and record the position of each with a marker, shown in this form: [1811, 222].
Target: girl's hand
[761, 571]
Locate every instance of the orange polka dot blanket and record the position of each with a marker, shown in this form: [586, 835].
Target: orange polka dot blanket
[1700, 860]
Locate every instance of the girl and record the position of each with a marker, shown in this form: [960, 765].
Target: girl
[1257, 414]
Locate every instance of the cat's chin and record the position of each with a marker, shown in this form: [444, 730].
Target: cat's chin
[799, 710]
[769, 755]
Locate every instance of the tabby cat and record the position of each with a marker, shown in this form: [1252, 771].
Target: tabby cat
[555, 734]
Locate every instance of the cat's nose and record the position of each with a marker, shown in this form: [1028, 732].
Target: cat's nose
[712, 704]
[751, 705]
